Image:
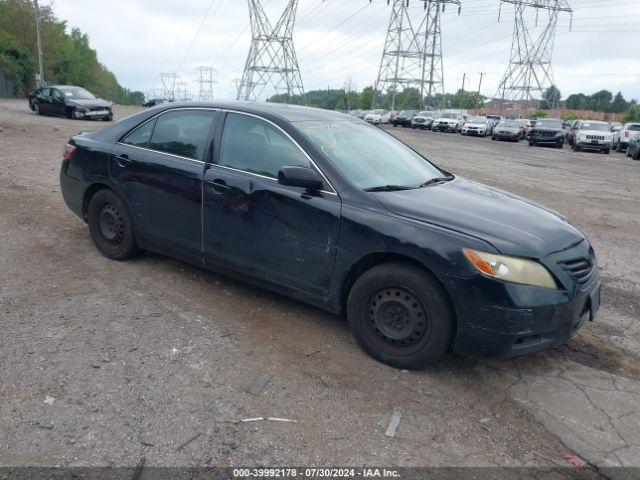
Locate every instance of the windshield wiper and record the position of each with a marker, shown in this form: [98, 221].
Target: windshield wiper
[387, 188]
[433, 181]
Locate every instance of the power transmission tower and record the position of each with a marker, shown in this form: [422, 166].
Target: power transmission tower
[206, 81]
[169, 81]
[529, 72]
[182, 93]
[412, 54]
[272, 58]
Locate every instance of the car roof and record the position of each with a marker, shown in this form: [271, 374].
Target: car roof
[594, 121]
[291, 113]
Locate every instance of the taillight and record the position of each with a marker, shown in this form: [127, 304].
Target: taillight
[626, 133]
[69, 150]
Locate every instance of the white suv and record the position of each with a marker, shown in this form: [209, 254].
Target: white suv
[621, 140]
[592, 135]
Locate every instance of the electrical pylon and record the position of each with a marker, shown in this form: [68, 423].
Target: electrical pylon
[529, 72]
[205, 80]
[412, 54]
[169, 81]
[272, 58]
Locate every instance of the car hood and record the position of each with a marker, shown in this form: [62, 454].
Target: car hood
[542, 129]
[512, 224]
[593, 132]
[89, 103]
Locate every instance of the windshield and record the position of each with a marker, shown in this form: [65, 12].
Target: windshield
[510, 124]
[367, 156]
[549, 124]
[425, 114]
[449, 115]
[77, 93]
[594, 126]
[634, 127]
[378, 112]
[477, 120]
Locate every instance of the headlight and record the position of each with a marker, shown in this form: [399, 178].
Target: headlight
[510, 269]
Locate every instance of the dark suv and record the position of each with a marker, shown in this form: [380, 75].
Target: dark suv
[404, 118]
[547, 131]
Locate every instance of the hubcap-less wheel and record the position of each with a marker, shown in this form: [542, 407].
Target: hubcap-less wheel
[397, 317]
[111, 224]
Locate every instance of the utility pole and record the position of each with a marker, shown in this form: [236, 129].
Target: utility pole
[529, 71]
[272, 59]
[479, 87]
[40, 80]
[464, 79]
[412, 56]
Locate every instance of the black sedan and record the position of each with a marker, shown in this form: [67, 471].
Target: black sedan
[324, 208]
[70, 102]
[547, 131]
[512, 130]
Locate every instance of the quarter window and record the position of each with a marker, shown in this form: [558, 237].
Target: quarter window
[140, 136]
[252, 145]
[182, 133]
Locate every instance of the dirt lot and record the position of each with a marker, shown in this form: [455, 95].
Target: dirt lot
[104, 363]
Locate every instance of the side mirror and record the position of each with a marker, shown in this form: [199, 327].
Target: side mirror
[302, 177]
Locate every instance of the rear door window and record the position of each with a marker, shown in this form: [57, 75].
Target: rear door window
[183, 133]
[140, 136]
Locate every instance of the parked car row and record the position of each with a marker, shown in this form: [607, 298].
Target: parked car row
[590, 135]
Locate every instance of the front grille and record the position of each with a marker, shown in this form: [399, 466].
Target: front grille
[595, 137]
[546, 134]
[581, 270]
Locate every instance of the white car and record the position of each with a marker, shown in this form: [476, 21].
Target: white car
[423, 120]
[479, 126]
[622, 137]
[378, 116]
[447, 122]
[593, 135]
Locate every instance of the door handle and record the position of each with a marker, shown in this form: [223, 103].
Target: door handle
[219, 186]
[123, 160]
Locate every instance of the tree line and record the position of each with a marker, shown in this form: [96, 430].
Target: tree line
[68, 57]
[346, 98]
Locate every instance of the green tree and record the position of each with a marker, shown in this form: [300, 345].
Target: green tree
[68, 58]
[577, 101]
[619, 104]
[551, 98]
[366, 98]
[600, 101]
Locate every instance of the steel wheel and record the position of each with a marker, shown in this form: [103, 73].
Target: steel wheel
[111, 224]
[397, 317]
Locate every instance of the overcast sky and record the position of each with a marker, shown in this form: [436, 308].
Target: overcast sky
[340, 39]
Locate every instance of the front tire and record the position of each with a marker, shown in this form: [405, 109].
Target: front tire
[400, 315]
[36, 108]
[111, 226]
[531, 144]
[619, 147]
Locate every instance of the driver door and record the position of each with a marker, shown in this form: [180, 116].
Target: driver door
[252, 224]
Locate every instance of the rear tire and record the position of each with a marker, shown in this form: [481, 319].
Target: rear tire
[628, 152]
[400, 315]
[607, 151]
[111, 226]
[619, 147]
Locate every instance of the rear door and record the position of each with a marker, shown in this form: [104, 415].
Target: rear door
[252, 224]
[158, 168]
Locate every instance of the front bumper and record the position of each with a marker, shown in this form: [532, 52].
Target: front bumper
[475, 132]
[547, 140]
[589, 145]
[506, 135]
[501, 319]
[443, 127]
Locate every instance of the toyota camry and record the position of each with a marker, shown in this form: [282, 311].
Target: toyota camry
[327, 209]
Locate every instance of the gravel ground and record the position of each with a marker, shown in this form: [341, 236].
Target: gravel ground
[104, 362]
